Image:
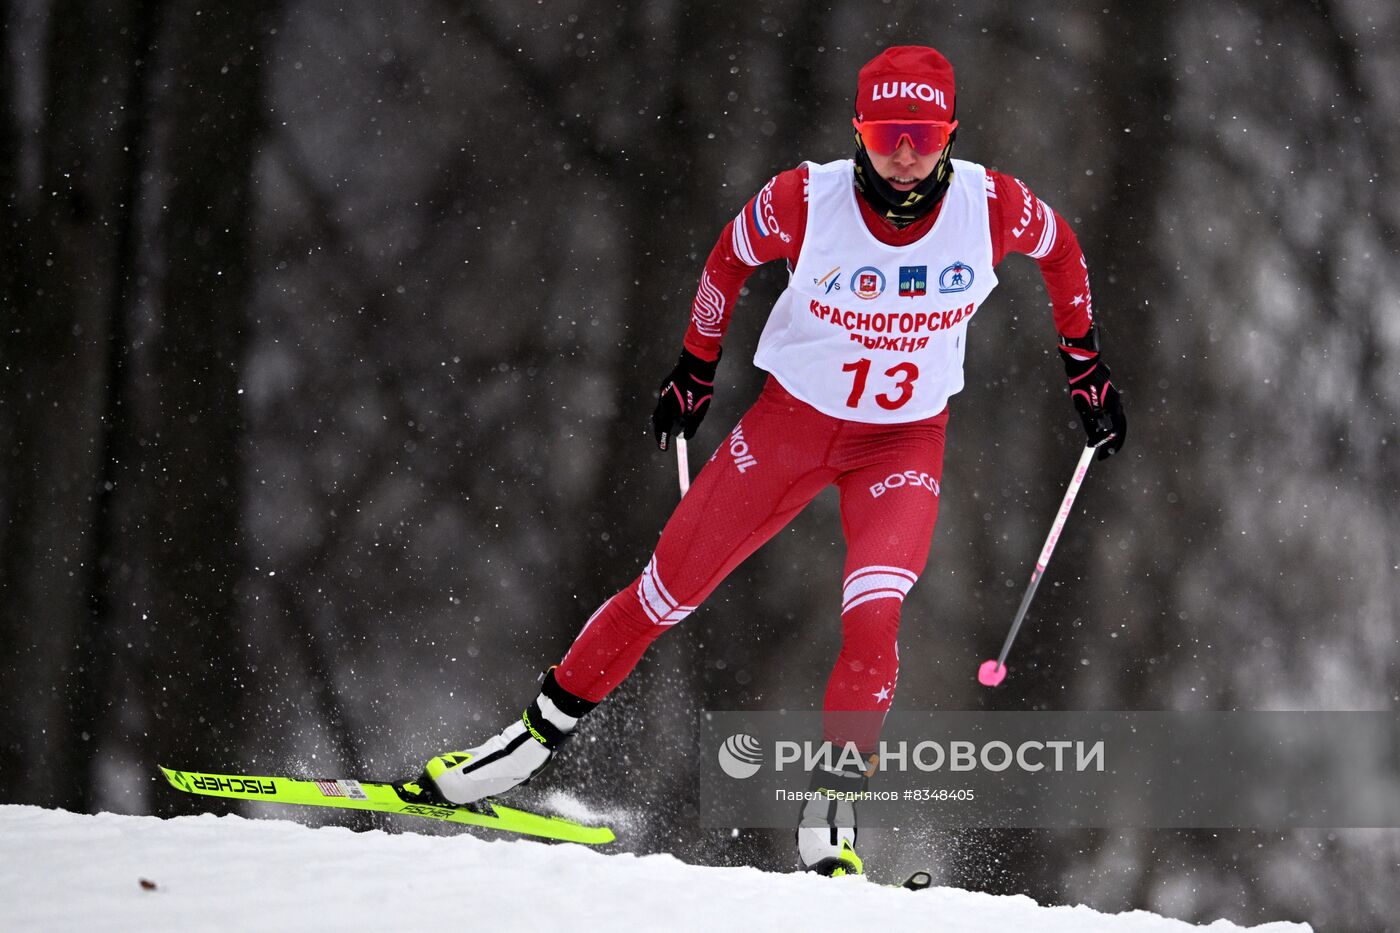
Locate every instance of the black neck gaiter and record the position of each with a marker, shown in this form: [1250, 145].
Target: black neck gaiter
[902, 208]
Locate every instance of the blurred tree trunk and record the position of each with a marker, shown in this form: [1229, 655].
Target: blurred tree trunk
[125, 289]
[62, 281]
[1130, 273]
[1125, 269]
[189, 420]
[15, 212]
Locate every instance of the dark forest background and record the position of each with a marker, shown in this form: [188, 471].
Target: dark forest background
[331, 333]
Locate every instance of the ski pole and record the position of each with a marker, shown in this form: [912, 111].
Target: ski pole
[682, 464]
[991, 673]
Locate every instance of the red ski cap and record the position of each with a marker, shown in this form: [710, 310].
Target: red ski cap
[905, 82]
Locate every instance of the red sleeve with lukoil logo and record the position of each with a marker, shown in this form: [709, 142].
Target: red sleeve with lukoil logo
[769, 227]
[1022, 223]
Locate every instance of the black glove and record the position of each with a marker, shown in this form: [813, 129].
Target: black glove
[1096, 399]
[684, 398]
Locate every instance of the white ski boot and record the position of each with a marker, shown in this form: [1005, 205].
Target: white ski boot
[826, 827]
[513, 756]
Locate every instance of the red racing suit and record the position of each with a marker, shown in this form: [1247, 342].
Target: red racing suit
[784, 451]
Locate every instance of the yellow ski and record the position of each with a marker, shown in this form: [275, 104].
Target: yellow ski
[408, 799]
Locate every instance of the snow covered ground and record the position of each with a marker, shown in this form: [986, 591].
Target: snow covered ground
[66, 871]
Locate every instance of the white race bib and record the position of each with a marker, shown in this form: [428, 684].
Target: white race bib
[876, 333]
